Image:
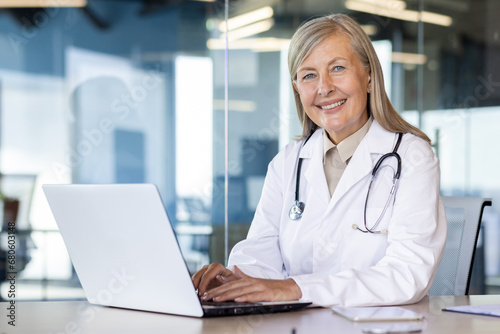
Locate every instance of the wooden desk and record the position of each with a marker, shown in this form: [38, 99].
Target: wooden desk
[74, 317]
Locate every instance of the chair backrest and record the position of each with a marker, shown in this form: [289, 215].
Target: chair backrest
[463, 215]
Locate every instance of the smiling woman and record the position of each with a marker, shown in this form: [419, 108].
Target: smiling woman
[351, 134]
[349, 39]
[333, 85]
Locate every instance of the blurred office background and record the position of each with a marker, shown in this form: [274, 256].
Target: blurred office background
[114, 91]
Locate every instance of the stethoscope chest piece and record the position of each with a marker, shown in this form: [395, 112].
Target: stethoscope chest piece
[296, 210]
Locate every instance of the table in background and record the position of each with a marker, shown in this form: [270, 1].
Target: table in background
[81, 317]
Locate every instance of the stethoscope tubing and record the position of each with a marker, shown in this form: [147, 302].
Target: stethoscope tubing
[372, 229]
[395, 181]
[298, 207]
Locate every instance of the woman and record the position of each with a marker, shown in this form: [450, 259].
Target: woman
[344, 249]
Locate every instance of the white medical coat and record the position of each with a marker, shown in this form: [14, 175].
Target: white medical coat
[332, 263]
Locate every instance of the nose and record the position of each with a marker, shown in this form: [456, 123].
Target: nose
[325, 85]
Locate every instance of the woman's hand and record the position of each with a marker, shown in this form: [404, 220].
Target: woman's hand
[243, 288]
[211, 276]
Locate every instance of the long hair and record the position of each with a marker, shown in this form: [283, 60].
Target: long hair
[313, 32]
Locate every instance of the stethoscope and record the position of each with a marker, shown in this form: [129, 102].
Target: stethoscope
[297, 209]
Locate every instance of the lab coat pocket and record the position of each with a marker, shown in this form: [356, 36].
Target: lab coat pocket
[363, 249]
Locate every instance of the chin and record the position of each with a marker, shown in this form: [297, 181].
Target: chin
[333, 128]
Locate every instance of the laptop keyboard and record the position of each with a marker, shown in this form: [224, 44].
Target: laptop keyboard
[211, 309]
[228, 304]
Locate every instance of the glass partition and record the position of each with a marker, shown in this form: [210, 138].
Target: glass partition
[135, 91]
[112, 92]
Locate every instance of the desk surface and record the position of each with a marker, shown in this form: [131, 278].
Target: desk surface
[81, 317]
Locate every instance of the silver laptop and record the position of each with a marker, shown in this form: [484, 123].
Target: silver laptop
[125, 252]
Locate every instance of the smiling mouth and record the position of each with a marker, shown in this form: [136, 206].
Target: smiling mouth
[333, 105]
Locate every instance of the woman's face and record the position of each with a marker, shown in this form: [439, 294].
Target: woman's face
[333, 86]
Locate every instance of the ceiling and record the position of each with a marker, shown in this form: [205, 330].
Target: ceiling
[473, 18]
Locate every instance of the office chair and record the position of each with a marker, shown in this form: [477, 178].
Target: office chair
[463, 215]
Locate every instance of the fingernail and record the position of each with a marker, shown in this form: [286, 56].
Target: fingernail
[204, 297]
[223, 278]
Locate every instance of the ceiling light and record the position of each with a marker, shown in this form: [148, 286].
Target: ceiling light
[268, 44]
[438, 19]
[236, 105]
[409, 58]
[247, 18]
[42, 3]
[404, 14]
[389, 4]
[249, 30]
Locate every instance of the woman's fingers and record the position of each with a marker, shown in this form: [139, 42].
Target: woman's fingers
[249, 289]
[211, 276]
[229, 291]
[198, 275]
[216, 282]
[208, 276]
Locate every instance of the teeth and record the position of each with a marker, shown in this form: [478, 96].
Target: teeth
[333, 105]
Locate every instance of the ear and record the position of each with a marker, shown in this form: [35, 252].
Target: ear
[369, 86]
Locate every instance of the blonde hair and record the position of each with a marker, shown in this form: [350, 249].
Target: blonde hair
[313, 32]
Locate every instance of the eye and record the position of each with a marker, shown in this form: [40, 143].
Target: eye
[338, 68]
[308, 76]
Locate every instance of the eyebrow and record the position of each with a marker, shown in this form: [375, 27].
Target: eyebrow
[329, 63]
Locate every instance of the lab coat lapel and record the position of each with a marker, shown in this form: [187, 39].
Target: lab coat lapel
[376, 142]
[315, 174]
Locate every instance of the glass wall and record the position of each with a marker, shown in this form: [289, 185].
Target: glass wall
[113, 92]
[135, 91]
